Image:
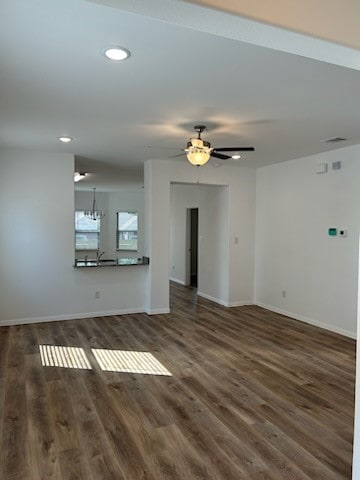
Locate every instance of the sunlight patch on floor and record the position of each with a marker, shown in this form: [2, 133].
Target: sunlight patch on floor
[66, 357]
[129, 362]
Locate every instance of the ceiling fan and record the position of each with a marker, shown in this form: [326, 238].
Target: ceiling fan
[199, 151]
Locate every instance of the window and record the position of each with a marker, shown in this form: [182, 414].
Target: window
[87, 232]
[127, 229]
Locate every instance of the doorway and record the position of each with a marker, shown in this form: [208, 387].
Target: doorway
[193, 238]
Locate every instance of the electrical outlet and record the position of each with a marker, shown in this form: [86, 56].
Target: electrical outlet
[97, 294]
[283, 293]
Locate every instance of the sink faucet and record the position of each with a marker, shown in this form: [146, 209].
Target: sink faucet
[99, 255]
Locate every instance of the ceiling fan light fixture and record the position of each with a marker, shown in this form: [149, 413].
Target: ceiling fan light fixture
[197, 142]
[198, 157]
[198, 151]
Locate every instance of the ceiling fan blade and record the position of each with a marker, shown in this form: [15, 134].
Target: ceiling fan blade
[179, 155]
[234, 149]
[219, 155]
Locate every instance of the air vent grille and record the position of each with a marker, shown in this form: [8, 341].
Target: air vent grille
[335, 140]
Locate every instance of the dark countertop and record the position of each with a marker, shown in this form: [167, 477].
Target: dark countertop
[118, 262]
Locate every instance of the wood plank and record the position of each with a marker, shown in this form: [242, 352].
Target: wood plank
[253, 395]
[14, 447]
[43, 455]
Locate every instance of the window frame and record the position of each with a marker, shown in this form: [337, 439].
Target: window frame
[97, 232]
[118, 249]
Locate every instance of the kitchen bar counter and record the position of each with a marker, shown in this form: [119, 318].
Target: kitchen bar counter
[118, 262]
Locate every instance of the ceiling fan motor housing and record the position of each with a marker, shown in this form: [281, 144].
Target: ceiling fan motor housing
[198, 143]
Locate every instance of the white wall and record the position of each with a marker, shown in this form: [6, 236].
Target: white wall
[237, 275]
[213, 252]
[214, 272]
[356, 445]
[295, 208]
[111, 203]
[37, 278]
[157, 214]
[182, 197]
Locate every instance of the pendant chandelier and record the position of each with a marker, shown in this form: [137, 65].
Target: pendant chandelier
[94, 213]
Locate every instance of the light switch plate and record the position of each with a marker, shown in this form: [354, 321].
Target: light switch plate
[322, 168]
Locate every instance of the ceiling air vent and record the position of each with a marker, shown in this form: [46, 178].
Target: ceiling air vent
[335, 140]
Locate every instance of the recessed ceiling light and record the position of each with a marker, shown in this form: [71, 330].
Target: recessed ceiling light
[65, 139]
[116, 53]
[236, 157]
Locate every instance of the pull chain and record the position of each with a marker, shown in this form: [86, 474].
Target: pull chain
[198, 184]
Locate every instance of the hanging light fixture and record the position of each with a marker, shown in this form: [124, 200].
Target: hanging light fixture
[198, 151]
[198, 157]
[94, 213]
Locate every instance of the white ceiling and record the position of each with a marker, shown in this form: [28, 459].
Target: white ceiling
[54, 81]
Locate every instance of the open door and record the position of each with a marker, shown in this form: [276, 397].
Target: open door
[192, 247]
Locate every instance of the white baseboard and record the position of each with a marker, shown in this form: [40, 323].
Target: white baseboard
[310, 321]
[213, 299]
[74, 316]
[240, 304]
[160, 311]
[176, 280]
[221, 302]
[157, 311]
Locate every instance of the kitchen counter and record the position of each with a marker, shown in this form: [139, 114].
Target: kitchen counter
[118, 262]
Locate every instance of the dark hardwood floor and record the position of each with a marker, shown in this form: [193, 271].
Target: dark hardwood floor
[253, 395]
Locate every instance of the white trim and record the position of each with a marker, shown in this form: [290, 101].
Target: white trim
[176, 280]
[310, 321]
[213, 299]
[74, 316]
[240, 304]
[221, 302]
[158, 311]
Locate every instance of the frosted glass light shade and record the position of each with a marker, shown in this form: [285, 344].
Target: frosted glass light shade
[198, 157]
